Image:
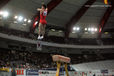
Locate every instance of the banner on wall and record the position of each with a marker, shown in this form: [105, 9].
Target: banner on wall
[104, 71]
[50, 73]
[32, 73]
[5, 72]
[62, 73]
[47, 73]
[4, 69]
[20, 72]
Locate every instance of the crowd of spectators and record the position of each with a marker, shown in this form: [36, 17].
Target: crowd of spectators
[21, 59]
[39, 60]
[83, 58]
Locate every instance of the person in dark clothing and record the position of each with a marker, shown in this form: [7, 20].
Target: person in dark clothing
[13, 71]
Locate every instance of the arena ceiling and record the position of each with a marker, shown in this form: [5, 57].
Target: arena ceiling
[64, 16]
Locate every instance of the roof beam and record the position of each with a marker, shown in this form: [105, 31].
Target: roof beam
[51, 5]
[77, 17]
[104, 19]
[3, 3]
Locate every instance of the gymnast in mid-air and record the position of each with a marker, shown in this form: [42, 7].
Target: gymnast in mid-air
[42, 23]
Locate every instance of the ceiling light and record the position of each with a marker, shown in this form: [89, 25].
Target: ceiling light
[20, 18]
[5, 14]
[85, 29]
[89, 29]
[1, 13]
[95, 29]
[74, 28]
[92, 29]
[16, 17]
[77, 28]
[25, 20]
[29, 21]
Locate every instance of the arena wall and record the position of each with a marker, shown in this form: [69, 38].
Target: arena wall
[29, 72]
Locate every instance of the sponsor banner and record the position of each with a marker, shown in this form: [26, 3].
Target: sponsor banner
[4, 69]
[47, 73]
[62, 73]
[5, 73]
[32, 73]
[104, 71]
[20, 72]
[53, 73]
